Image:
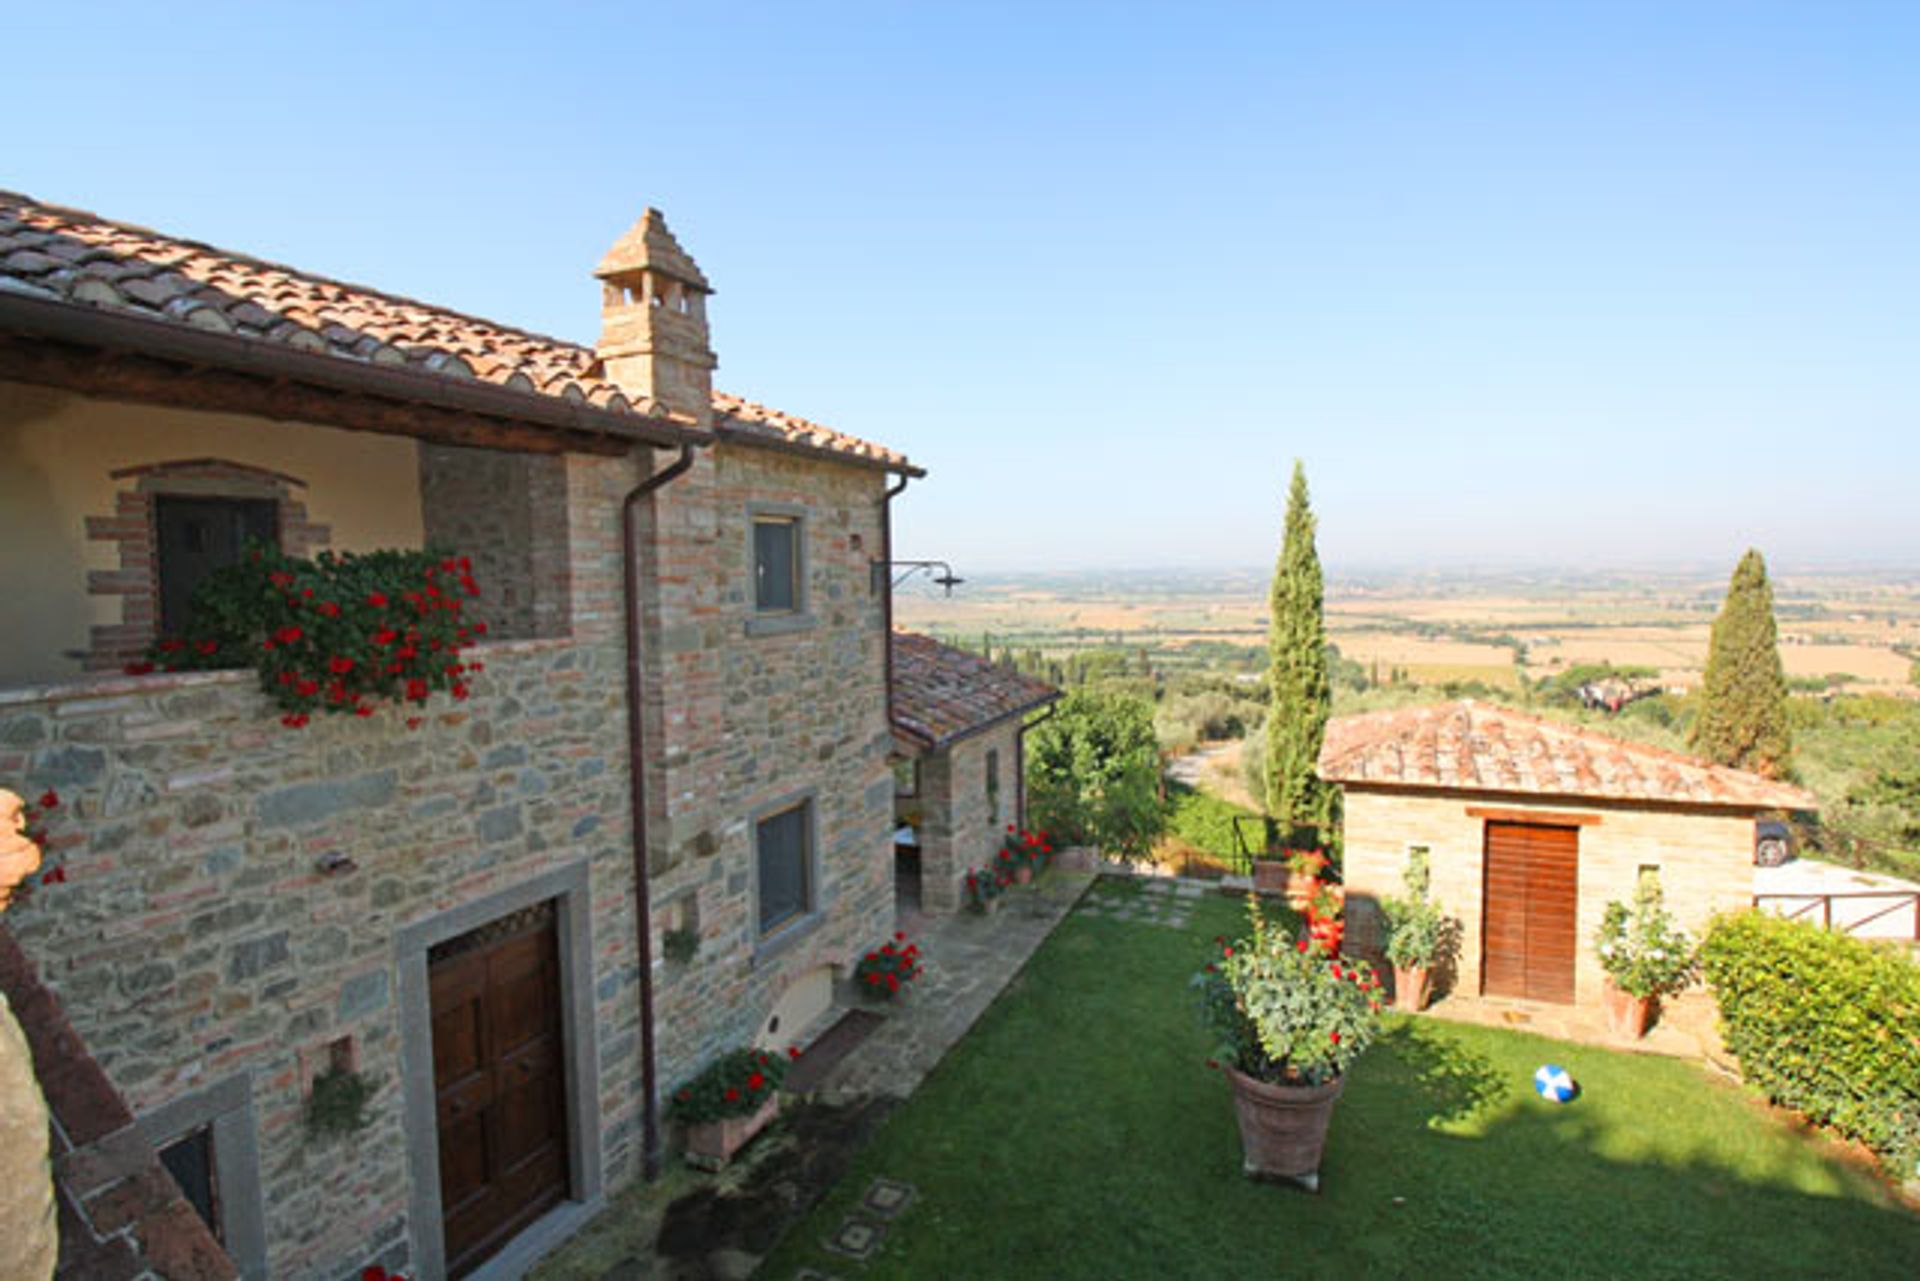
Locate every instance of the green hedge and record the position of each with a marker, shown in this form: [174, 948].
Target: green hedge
[1825, 1024]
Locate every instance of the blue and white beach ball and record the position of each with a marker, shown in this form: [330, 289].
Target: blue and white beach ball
[1554, 1083]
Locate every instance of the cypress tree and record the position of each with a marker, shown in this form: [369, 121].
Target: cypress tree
[1299, 695]
[1743, 698]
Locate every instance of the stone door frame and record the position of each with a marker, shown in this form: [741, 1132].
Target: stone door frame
[569, 887]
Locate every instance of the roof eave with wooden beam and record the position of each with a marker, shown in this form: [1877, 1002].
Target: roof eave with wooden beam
[136, 358]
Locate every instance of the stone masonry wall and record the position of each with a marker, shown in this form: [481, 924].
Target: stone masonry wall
[737, 722]
[507, 512]
[1705, 860]
[962, 826]
[195, 936]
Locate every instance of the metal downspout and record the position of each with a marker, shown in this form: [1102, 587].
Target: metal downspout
[1020, 763]
[637, 791]
[885, 577]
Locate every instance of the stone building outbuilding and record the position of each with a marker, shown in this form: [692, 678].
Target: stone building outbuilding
[1531, 827]
[960, 726]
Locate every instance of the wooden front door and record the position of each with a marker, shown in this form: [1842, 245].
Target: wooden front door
[1531, 900]
[499, 1082]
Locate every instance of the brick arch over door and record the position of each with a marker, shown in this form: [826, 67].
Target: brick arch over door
[133, 527]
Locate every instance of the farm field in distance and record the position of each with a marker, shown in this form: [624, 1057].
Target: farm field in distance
[1861, 628]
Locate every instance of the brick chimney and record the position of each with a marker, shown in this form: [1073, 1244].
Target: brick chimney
[653, 321]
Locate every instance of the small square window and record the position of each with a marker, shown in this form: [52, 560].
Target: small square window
[906, 776]
[782, 846]
[776, 565]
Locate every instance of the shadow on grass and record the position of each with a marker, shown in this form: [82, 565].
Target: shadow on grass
[1455, 1081]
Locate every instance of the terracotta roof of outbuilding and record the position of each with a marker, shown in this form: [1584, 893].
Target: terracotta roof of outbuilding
[941, 693]
[70, 256]
[1475, 747]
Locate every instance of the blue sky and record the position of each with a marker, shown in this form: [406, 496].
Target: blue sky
[1535, 283]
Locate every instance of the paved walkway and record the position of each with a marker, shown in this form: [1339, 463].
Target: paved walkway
[969, 959]
[692, 1227]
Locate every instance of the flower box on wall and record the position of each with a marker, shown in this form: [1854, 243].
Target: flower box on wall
[711, 1144]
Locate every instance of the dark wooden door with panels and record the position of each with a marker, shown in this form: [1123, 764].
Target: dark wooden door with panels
[499, 1070]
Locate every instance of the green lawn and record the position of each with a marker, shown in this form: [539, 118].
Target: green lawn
[1077, 1133]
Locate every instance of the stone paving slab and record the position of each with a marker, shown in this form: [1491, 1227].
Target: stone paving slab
[969, 959]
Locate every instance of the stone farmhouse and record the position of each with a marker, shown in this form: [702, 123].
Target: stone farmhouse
[960, 725]
[470, 911]
[1531, 827]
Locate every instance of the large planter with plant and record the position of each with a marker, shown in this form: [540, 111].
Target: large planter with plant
[1645, 956]
[1417, 934]
[727, 1104]
[1290, 1016]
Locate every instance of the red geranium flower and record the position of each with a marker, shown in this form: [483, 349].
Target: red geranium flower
[793, 1051]
[733, 1095]
[339, 664]
[757, 1082]
[417, 690]
[377, 599]
[49, 800]
[288, 635]
[328, 609]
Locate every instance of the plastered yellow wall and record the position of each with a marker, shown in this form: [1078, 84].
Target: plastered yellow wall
[57, 453]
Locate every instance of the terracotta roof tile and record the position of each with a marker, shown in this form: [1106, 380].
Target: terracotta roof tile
[1471, 746]
[71, 256]
[941, 693]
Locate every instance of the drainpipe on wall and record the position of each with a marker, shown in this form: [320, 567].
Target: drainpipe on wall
[1020, 763]
[637, 791]
[884, 578]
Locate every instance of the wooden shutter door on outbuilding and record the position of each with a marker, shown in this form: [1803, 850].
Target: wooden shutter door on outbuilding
[1531, 900]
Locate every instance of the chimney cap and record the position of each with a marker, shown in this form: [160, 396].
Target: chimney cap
[649, 246]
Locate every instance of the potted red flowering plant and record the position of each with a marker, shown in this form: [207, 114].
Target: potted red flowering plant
[1290, 1015]
[1026, 853]
[1304, 870]
[883, 972]
[985, 885]
[730, 1101]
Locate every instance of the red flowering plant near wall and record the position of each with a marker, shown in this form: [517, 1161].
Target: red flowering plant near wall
[883, 972]
[340, 633]
[1287, 1008]
[984, 885]
[735, 1084]
[1021, 848]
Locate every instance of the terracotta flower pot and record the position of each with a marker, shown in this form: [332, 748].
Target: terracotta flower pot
[1270, 876]
[1412, 985]
[1023, 875]
[1283, 1128]
[1628, 1015]
[711, 1144]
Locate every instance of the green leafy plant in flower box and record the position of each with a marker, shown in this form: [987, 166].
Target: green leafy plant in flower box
[337, 1104]
[735, 1084]
[340, 633]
